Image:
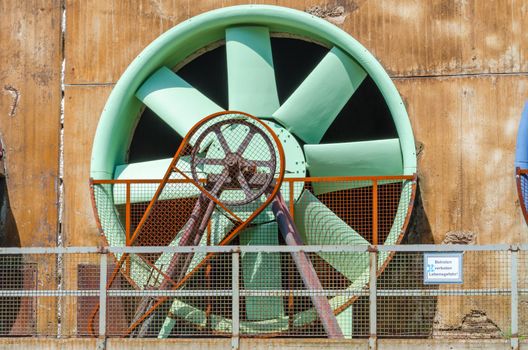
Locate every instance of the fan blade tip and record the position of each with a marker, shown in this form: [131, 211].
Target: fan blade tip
[250, 60]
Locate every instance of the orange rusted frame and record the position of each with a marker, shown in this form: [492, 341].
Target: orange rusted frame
[127, 226]
[287, 179]
[414, 179]
[235, 232]
[308, 179]
[127, 215]
[208, 195]
[518, 176]
[141, 181]
[375, 212]
[158, 270]
[348, 178]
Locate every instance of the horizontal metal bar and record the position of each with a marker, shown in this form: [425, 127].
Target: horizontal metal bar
[409, 248]
[441, 247]
[329, 179]
[229, 292]
[442, 292]
[324, 292]
[315, 248]
[255, 293]
[49, 293]
[242, 249]
[49, 250]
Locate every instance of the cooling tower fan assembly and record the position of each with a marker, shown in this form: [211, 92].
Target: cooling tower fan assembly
[250, 126]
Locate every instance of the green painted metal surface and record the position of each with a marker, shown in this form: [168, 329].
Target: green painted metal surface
[257, 265]
[175, 101]
[314, 105]
[251, 75]
[121, 111]
[318, 225]
[153, 170]
[364, 158]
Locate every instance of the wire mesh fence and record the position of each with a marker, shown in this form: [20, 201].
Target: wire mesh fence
[351, 279]
[68, 292]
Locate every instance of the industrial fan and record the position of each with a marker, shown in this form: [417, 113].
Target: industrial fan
[300, 123]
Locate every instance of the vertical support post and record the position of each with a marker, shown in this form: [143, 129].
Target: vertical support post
[373, 306]
[235, 304]
[291, 186]
[103, 269]
[127, 214]
[514, 340]
[375, 212]
[127, 225]
[102, 299]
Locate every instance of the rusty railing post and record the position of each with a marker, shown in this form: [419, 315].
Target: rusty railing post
[374, 211]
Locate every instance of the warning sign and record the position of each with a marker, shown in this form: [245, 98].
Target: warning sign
[442, 268]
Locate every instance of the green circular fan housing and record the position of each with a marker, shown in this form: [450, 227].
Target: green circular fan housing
[317, 121]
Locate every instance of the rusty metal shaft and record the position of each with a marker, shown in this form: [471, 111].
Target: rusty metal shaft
[304, 266]
[179, 262]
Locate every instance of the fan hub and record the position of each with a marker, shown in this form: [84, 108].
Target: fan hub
[232, 160]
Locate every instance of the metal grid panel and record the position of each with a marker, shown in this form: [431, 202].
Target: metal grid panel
[372, 207]
[523, 293]
[480, 307]
[346, 211]
[18, 316]
[203, 305]
[28, 302]
[290, 311]
[149, 307]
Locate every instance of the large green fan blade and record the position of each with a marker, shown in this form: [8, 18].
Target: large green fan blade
[251, 76]
[312, 108]
[152, 170]
[262, 271]
[364, 158]
[175, 101]
[318, 225]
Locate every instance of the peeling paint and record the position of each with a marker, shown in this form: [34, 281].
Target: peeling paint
[335, 15]
[16, 98]
[459, 237]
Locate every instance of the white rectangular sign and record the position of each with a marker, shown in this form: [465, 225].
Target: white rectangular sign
[441, 268]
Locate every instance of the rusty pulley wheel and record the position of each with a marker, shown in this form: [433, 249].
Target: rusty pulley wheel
[238, 158]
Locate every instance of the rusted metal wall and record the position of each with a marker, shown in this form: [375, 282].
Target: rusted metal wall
[30, 96]
[459, 65]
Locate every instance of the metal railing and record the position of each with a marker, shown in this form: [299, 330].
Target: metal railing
[56, 291]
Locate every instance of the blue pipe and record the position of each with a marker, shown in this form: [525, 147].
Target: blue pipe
[521, 153]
